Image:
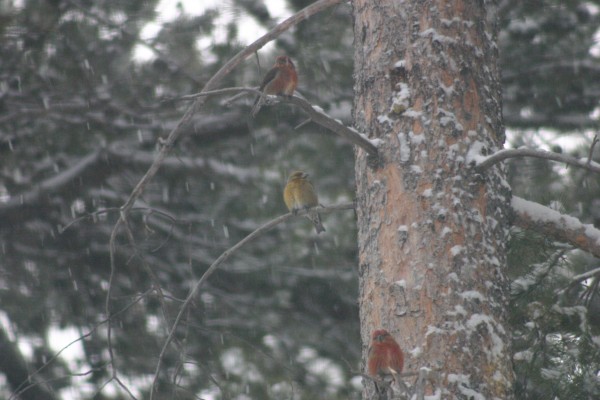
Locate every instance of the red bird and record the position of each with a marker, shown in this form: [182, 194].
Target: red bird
[281, 80]
[385, 357]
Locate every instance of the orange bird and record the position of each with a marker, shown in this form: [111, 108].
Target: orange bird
[385, 357]
[281, 80]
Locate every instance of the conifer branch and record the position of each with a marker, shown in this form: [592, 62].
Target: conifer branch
[551, 223]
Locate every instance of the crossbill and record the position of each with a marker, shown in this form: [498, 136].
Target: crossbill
[281, 80]
[386, 359]
[300, 194]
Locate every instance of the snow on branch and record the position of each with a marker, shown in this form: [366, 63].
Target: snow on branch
[572, 121]
[319, 116]
[315, 113]
[560, 227]
[586, 275]
[485, 162]
[53, 184]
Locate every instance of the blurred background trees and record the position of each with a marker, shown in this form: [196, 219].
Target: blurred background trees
[81, 115]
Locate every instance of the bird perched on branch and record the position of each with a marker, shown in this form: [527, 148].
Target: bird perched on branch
[385, 360]
[300, 194]
[281, 80]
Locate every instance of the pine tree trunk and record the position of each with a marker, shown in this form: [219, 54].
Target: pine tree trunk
[432, 233]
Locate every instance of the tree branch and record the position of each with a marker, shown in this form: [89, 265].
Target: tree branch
[54, 183]
[585, 276]
[315, 113]
[222, 258]
[319, 116]
[14, 367]
[591, 151]
[560, 227]
[26, 386]
[482, 163]
[168, 143]
[28, 204]
[536, 120]
[176, 132]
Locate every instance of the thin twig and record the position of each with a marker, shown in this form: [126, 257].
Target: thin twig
[123, 28]
[19, 390]
[321, 118]
[547, 155]
[301, 124]
[113, 268]
[591, 152]
[230, 90]
[222, 258]
[585, 276]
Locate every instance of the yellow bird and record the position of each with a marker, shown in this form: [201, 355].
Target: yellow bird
[300, 194]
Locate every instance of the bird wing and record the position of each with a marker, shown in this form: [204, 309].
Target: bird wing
[269, 77]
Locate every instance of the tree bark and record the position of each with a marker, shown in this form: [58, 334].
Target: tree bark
[432, 233]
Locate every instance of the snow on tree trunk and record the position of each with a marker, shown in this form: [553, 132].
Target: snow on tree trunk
[432, 232]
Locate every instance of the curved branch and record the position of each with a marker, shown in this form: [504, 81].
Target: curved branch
[185, 120]
[577, 121]
[315, 113]
[54, 183]
[318, 115]
[229, 90]
[483, 163]
[168, 143]
[25, 205]
[19, 392]
[222, 258]
[551, 223]
[14, 367]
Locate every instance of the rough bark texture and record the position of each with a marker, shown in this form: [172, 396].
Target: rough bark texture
[432, 232]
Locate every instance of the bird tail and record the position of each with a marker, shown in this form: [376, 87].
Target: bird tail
[257, 105]
[315, 218]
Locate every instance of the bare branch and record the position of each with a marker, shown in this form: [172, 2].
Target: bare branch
[484, 163]
[14, 367]
[175, 133]
[315, 113]
[318, 115]
[551, 223]
[586, 275]
[222, 258]
[231, 90]
[168, 143]
[20, 390]
[591, 152]
[54, 183]
[123, 28]
[563, 122]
